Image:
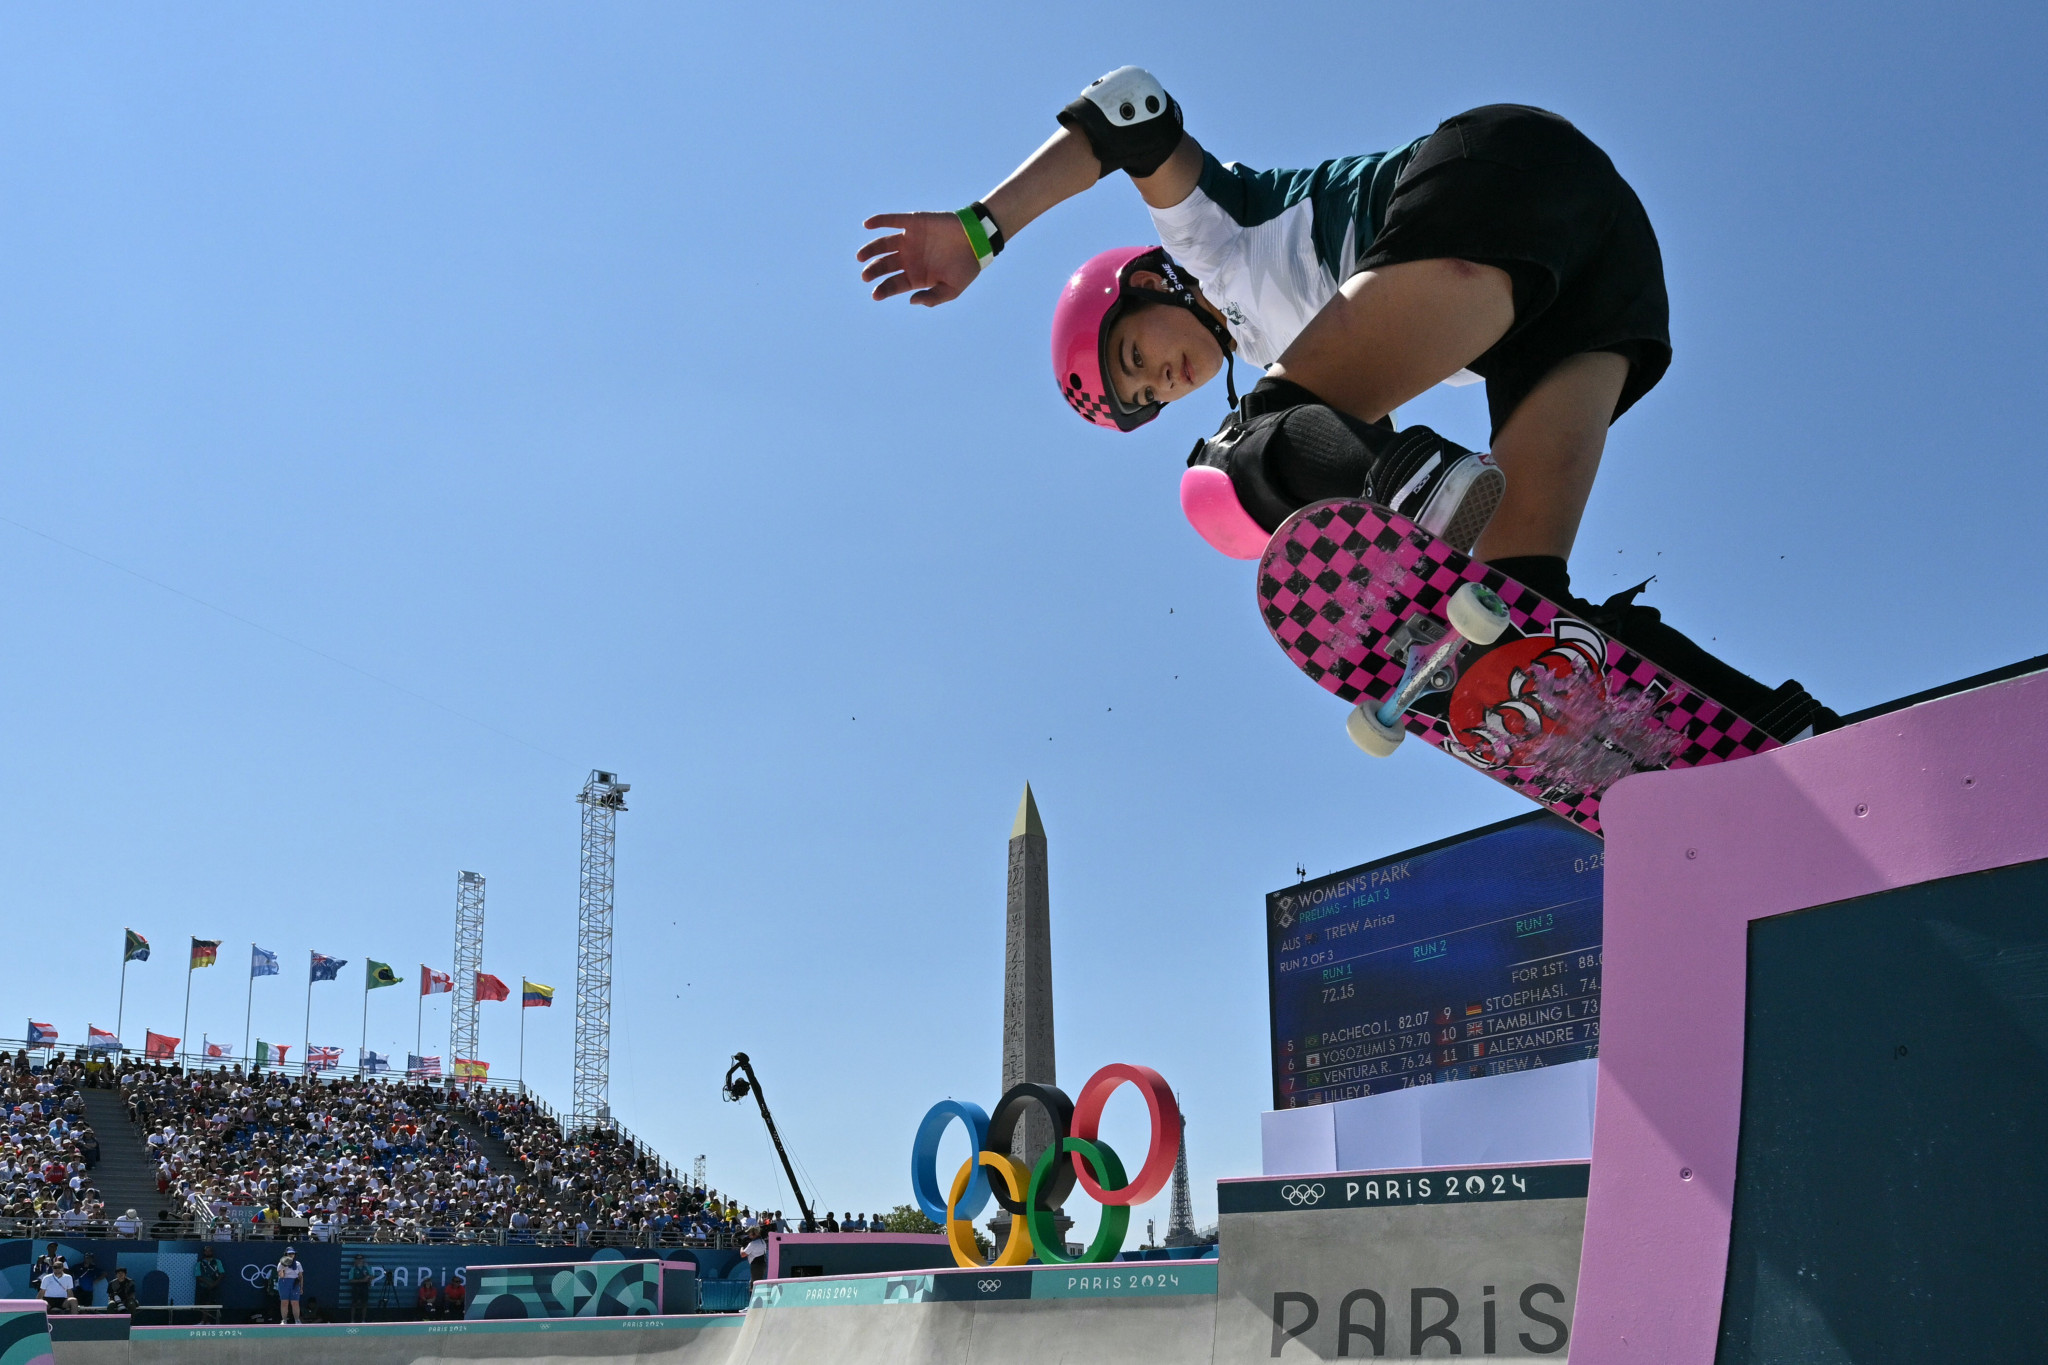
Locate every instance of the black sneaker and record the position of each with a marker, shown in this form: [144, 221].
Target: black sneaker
[1447, 490]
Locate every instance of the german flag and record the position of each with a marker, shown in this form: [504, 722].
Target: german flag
[204, 952]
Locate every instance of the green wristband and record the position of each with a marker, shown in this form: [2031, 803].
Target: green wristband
[976, 237]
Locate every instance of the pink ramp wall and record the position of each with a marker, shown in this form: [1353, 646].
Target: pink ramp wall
[1955, 785]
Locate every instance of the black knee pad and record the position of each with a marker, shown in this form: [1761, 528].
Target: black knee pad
[1281, 460]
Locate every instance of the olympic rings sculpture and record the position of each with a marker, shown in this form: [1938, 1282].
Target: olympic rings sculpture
[1033, 1196]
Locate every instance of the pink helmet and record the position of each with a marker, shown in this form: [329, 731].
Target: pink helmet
[1089, 306]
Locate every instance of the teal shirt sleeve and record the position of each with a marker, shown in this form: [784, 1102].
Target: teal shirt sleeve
[1345, 193]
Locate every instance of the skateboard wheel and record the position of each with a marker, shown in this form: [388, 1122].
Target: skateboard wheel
[1477, 613]
[1368, 734]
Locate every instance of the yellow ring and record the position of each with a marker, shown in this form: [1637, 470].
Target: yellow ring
[960, 1233]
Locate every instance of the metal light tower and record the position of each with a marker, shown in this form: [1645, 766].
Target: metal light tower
[469, 960]
[602, 798]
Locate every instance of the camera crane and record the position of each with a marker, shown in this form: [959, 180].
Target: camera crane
[736, 1088]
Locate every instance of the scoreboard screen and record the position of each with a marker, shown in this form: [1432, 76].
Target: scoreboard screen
[1470, 957]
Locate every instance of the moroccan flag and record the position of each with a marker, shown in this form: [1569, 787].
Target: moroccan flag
[435, 983]
[137, 949]
[204, 951]
[488, 987]
[470, 1069]
[533, 995]
[380, 974]
[158, 1047]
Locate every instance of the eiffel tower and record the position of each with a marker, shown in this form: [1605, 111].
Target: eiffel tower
[1180, 1223]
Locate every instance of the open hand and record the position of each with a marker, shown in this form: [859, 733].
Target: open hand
[928, 252]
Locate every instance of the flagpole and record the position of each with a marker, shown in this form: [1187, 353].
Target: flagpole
[417, 1010]
[522, 1035]
[307, 1040]
[184, 1045]
[121, 1009]
[250, 1001]
[366, 1011]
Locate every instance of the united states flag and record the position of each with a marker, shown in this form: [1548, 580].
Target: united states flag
[323, 1058]
[422, 1066]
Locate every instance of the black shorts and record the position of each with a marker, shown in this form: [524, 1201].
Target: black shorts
[1523, 190]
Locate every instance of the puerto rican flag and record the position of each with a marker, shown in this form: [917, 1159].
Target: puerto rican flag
[323, 1058]
[41, 1035]
[101, 1040]
[435, 983]
[422, 1066]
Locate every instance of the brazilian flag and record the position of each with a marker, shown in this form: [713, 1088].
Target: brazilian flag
[381, 975]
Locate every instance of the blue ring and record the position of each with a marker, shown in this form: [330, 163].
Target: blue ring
[924, 1160]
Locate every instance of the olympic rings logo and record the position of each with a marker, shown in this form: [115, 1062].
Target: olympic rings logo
[988, 1286]
[1033, 1196]
[1301, 1194]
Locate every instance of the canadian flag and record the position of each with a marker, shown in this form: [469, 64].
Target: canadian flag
[433, 982]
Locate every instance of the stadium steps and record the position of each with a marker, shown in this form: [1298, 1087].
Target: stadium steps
[498, 1152]
[126, 1175]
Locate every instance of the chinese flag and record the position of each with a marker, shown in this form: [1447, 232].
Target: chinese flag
[488, 987]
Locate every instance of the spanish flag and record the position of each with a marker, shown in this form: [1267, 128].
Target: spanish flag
[204, 951]
[532, 993]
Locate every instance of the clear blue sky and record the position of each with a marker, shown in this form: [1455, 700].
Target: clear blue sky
[516, 355]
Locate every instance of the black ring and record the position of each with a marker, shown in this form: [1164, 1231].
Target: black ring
[1002, 1133]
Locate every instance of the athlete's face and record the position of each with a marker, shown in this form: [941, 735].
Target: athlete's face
[1160, 353]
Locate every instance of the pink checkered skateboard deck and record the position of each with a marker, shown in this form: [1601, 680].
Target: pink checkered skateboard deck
[1552, 708]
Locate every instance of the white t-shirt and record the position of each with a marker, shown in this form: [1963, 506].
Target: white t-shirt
[1271, 247]
[56, 1285]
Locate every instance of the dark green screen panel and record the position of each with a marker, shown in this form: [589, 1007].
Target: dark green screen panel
[1891, 1198]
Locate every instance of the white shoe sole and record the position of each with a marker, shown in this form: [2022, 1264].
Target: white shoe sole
[1466, 499]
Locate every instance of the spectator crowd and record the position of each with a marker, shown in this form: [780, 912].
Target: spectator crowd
[49, 1151]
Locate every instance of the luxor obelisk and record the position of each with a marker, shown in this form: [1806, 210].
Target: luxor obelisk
[1027, 976]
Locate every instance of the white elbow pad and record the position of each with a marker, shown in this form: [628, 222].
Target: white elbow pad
[1129, 119]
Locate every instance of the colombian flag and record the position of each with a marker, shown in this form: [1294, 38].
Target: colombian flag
[204, 951]
[532, 993]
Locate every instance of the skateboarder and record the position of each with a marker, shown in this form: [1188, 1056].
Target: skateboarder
[1503, 246]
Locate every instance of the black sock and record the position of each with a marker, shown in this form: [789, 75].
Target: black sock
[1643, 629]
[1547, 574]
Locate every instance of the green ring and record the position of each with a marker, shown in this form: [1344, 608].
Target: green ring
[1116, 1218]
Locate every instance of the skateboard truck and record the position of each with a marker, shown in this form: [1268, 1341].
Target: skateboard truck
[1477, 615]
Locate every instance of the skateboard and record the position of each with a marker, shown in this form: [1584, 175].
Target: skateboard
[1428, 641]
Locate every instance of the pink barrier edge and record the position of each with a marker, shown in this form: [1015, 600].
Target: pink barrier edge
[1950, 786]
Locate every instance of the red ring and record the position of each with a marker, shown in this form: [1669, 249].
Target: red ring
[1158, 1168]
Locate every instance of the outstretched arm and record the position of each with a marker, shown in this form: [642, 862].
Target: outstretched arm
[1108, 128]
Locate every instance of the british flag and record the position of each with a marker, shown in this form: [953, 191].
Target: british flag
[323, 1058]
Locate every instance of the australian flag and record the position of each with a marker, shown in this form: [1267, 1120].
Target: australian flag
[262, 962]
[373, 1062]
[326, 968]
